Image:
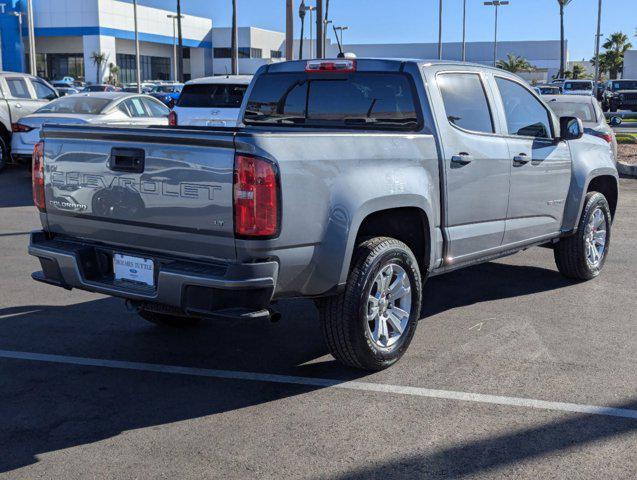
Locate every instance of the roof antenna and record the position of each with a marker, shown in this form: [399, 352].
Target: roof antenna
[226, 68]
[340, 47]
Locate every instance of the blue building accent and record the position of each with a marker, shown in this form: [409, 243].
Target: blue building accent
[13, 58]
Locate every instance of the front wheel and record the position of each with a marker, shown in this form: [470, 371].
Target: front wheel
[4, 153]
[371, 324]
[582, 255]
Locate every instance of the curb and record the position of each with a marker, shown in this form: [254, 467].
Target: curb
[628, 170]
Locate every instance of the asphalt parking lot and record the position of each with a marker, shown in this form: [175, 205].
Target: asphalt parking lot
[504, 378]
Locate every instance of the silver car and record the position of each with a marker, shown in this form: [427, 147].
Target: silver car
[587, 109]
[99, 108]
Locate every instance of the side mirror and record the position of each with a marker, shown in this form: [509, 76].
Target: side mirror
[571, 128]
[615, 121]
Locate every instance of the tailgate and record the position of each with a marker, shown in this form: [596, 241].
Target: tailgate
[153, 189]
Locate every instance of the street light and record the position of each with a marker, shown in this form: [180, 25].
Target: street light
[137, 58]
[310, 9]
[464, 31]
[440, 31]
[597, 38]
[174, 18]
[342, 29]
[497, 4]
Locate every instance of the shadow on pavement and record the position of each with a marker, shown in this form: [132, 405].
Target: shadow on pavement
[15, 185]
[48, 407]
[487, 454]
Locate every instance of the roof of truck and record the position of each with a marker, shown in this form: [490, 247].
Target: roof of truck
[236, 79]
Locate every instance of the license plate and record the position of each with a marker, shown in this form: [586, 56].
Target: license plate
[134, 269]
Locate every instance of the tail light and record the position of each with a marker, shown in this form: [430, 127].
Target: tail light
[334, 66]
[20, 128]
[172, 118]
[38, 176]
[256, 198]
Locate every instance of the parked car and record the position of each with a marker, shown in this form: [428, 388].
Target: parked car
[167, 93]
[620, 95]
[62, 84]
[548, 89]
[87, 109]
[62, 91]
[100, 88]
[20, 95]
[147, 87]
[578, 87]
[211, 101]
[588, 110]
[349, 182]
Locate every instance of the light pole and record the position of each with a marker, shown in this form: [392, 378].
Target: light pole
[137, 58]
[497, 4]
[464, 31]
[19, 15]
[440, 31]
[31, 38]
[326, 25]
[174, 18]
[341, 29]
[310, 9]
[597, 38]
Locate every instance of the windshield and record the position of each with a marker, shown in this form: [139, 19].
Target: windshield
[625, 85]
[578, 85]
[383, 101]
[212, 96]
[167, 89]
[549, 90]
[77, 105]
[584, 111]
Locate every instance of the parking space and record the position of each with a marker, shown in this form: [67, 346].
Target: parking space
[503, 379]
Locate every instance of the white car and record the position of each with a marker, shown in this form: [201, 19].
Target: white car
[578, 87]
[211, 101]
[99, 108]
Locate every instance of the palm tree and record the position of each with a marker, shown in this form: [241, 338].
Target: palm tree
[616, 46]
[514, 64]
[98, 59]
[114, 71]
[578, 71]
[562, 4]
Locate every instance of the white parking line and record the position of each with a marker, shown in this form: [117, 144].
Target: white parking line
[324, 382]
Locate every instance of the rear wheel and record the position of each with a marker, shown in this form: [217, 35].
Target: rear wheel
[582, 255]
[167, 320]
[371, 324]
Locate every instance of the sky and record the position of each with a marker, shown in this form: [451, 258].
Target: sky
[406, 21]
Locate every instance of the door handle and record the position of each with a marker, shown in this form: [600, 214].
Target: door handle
[462, 158]
[521, 159]
[17, 105]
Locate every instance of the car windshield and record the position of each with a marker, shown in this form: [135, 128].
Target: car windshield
[578, 85]
[625, 85]
[549, 90]
[584, 111]
[77, 105]
[167, 88]
[201, 95]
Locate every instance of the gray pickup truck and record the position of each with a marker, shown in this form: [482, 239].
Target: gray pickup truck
[349, 182]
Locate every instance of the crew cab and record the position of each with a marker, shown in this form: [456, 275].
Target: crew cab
[349, 182]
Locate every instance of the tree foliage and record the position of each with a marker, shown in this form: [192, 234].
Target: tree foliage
[515, 63]
[612, 60]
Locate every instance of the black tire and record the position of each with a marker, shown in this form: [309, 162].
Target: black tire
[4, 153]
[570, 252]
[343, 317]
[166, 320]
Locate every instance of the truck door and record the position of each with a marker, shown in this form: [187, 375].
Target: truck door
[476, 164]
[541, 165]
[19, 97]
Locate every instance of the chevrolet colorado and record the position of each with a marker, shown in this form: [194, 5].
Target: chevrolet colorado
[347, 181]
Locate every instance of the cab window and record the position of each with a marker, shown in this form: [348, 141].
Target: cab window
[42, 91]
[18, 88]
[525, 114]
[465, 101]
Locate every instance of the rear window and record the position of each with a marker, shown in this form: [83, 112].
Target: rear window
[383, 101]
[80, 105]
[584, 111]
[578, 85]
[212, 96]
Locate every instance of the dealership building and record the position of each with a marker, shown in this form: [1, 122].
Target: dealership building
[69, 32]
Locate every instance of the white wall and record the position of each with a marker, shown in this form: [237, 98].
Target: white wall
[630, 65]
[98, 43]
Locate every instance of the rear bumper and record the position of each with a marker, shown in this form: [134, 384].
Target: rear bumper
[192, 288]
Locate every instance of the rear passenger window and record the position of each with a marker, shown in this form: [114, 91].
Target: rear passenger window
[136, 108]
[18, 88]
[369, 100]
[525, 115]
[465, 101]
